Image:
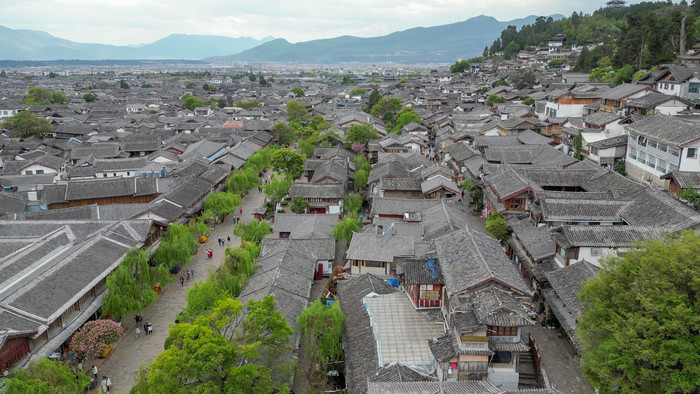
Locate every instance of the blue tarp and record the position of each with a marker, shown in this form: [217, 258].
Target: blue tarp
[393, 282]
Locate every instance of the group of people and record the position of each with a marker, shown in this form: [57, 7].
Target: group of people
[106, 384]
[222, 241]
[190, 272]
[147, 327]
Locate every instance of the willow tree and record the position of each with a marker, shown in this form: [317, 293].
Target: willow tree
[321, 329]
[345, 229]
[243, 180]
[222, 203]
[130, 286]
[253, 231]
[176, 247]
[44, 376]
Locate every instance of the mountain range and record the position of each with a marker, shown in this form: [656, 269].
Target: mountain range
[38, 45]
[437, 44]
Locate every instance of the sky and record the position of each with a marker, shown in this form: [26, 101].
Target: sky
[130, 22]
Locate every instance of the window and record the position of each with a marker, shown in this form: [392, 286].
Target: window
[674, 151]
[502, 358]
[661, 165]
[634, 136]
[128, 173]
[642, 141]
[651, 161]
[692, 153]
[498, 331]
[28, 172]
[652, 144]
[672, 167]
[430, 295]
[662, 147]
[642, 157]
[516, 203]
[39, 172]
[633, 153]
[694, 87]
[561, 251]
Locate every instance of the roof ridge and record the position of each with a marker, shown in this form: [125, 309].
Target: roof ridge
[478, 251]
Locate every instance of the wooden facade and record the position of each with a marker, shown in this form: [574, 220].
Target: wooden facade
[425, 296]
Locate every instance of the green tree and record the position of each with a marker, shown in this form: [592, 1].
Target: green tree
[130, 286]
[494, 99]
[58, 98]
[253, 231]
[176, 246]
[529, 101]
[404, 117]
[459, 67]
[691, 196]
[361, 179]
[386, 105]
[511, 50]
[38, 96]
[146, 86]
[285, 134]
[261, 80]
[345, 229]
[277, 188]
[497, 226]
[374, 98]
[3, 74]
[252, 77]
[44, 376]
[222, 203]
[623, 75]
[321, 329]
[604, 72]
[191, 102]
[641, 317]
[296, 112]
[298, 205]
[357, 92]
[360, 133]
[578, 146]
[24, 125]
[305, 148]
[353, 203]
[89, 97]
[200, 358]
[499, 82]
[190, 85]
[123, 84]
[289, 162]
[318, 123]
[298, 92]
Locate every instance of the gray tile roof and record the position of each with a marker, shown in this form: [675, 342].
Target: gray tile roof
[312, 190]
[469, 259]
[399, 206]
[605, 236]
[666, 129]
[305, 226]
[430, 387]
[358, 338]
[371, 247]
[583, 210]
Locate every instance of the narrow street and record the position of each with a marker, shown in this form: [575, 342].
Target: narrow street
[123, 363]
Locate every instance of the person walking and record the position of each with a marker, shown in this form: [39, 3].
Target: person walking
[94, 371]
[150, 329]
[106, 384]
[182, 282]
[228, 239]
[138, 332]
[188, 274]
[240, 210]
[192, 272]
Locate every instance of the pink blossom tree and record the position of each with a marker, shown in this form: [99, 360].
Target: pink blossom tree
[92, 339]
[358, 147]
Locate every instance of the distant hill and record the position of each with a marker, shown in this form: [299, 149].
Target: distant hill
[38, 45]
[438, 44]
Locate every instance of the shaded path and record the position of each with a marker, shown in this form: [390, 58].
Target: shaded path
[123, 363]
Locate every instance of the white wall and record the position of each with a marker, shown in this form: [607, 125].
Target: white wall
[672, 89]
[564, 110]
[689, 163]
[117, 174]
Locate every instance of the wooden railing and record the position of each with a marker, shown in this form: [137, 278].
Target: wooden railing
[535, 353]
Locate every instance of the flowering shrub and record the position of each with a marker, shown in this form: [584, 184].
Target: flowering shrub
[92, 339]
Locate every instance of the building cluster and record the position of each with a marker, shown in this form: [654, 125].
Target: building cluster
[431, 301]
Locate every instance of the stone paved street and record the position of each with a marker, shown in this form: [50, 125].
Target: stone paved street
[123, 363]
[558, 362]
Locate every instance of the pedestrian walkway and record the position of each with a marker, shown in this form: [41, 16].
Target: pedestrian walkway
[558, 361]
[123, 363]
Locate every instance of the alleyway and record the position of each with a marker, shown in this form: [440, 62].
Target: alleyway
[123, 363]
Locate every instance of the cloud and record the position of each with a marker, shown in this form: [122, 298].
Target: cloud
[140, 21]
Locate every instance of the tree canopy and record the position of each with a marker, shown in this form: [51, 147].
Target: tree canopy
[41, 96]
[298, 92]
[459, 67]
[92, 339]
[296, 112]
[360, 133]
[285, 134]
[24, 124]
[221, 203]
[640, 323]
[298, 205]
[345, 229]
[277, 188]
[496, 225]
[190, 102]
[199, 356]
[45, 376]
[289, 162]
[89, 97]
[253, 231]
